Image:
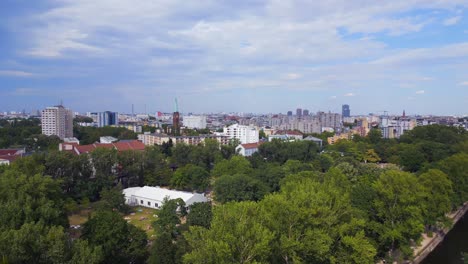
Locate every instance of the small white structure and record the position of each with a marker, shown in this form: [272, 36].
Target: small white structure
[153, 197]
[247, 150]
[107, 140]
[71, 140]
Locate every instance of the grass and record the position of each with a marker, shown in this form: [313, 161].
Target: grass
[140, 217]
[80, 217]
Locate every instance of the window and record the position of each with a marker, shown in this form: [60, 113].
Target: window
[141, 201]
[149, 203]
[156, 205]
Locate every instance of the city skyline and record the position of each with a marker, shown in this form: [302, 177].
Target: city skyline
[265, 56]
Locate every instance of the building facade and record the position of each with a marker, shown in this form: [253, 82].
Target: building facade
[197, 122]
[107, 118]
[245, 134]
[345, 111]
[58, 121]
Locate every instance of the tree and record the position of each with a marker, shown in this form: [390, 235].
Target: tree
[191, 177]
[82, 253]
[113, 198]
[238, 187]
[164, 250]
[200, 214]
[237, 235]
[456, 167]
[313, 222]
[374, 136]
[236, 164]
[438, 190]
[411, 158]
[25, 199]
[120, 241]
[399, 206]
[169, 216]
[371, 156]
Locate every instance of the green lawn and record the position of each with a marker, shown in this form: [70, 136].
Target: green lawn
[142, 218]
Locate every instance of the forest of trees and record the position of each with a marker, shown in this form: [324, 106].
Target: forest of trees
[289, 203]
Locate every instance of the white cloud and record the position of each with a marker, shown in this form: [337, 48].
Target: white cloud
[452, 21]
[420, 92]
[465, 83]
[333, 97]
[15, 73]
[293, 76]
[210, 46]
[349, 94]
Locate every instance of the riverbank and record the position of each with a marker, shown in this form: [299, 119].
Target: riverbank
[430, 243]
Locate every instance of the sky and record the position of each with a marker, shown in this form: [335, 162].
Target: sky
[235, 56]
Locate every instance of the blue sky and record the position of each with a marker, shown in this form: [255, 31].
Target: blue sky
[235, 56]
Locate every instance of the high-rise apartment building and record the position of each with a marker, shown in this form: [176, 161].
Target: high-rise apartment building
[289, 113]
[198, 122]
[246, 134]
[305, 112]
[107, 118]
[330, 120]
[345, 111]
[57, 120]
[299, 112]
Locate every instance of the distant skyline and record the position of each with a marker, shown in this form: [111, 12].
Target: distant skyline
[235, 56]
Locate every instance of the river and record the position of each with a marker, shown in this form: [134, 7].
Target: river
[450, 250]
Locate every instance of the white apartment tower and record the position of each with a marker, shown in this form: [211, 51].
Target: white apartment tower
[246, 134]
[57, 120]
[198, 122]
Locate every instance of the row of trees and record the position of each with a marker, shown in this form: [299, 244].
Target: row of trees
[287, 203]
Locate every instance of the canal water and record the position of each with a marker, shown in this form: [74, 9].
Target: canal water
[451, 249]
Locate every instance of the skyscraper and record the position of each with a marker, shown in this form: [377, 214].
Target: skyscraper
[107, 118]
[345, 111]
[305, 112]
[299, 112]
[289, 113]
[57, 120]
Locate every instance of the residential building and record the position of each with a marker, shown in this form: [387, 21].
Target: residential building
[286, 135]
[120, 146]
[58, 121]
[107, 118]
[245, 134]
[343, 136]
[330, 120]
[159, 139]
[305, 112]
[318, 141]
[299, 112]
[247, 150]
[289, 113]
[154, 197]
[197, 122]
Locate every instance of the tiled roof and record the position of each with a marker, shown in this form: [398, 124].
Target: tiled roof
[8, 152]
[120, 146]
[250, 145]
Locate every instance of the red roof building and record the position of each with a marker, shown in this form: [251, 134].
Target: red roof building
[119, 146]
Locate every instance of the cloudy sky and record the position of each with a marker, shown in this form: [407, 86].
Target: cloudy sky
[252, 56]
